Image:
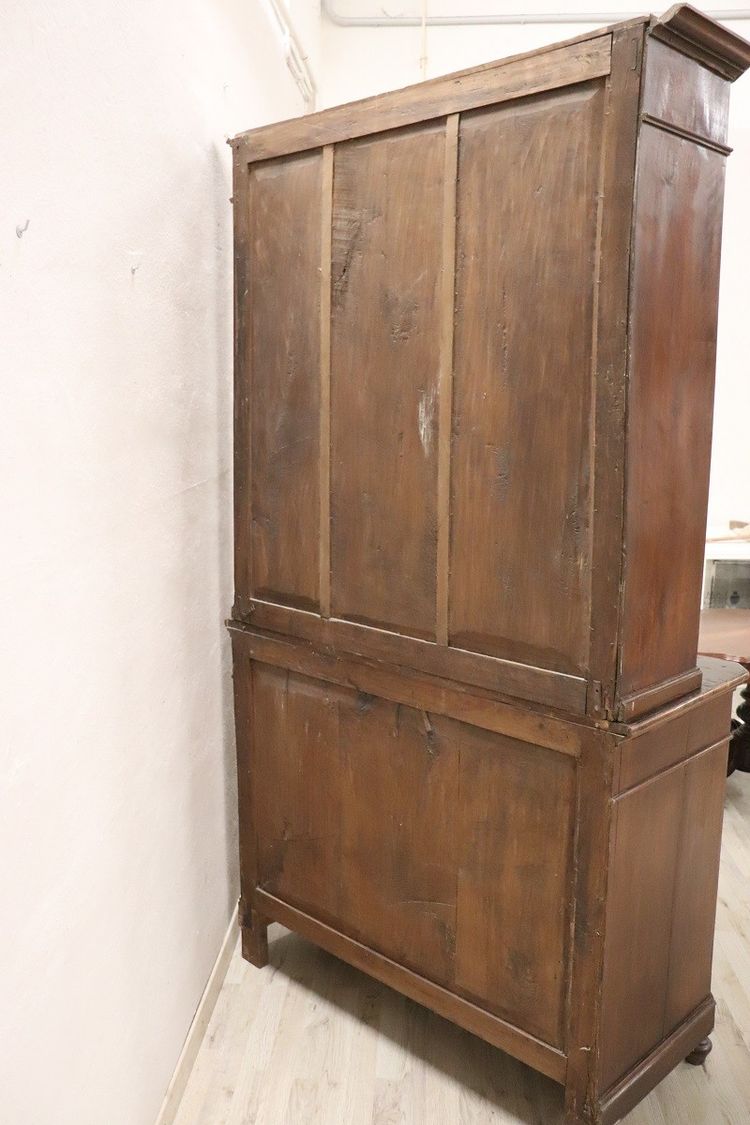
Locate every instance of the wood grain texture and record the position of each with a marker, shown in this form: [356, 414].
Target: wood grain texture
[642, 875]
[478, 757]
[540, 1055]
[385, 359]
[506, 677]
[593, 818]
[242, 385]
[285, 255]
[521, 519]
[610, 357]
[326, 228]
[660, 917]
[359, 823]
[681, 92]
[473, 705]
[673, 349]
[516, 813]
[445, 390]
[580, 60]
[692, 933]
[275, 1034]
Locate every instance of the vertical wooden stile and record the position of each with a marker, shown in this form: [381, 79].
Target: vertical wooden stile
[446, 376]
[617, 188]
[243, 350]
[326, 221]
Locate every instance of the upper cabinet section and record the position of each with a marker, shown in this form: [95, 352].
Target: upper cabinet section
[473, 408]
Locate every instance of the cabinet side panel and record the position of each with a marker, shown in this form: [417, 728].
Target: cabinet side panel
[663, 877]
[520, 568]
[284, 282]
[673, 353]
[697, 884]
[645, 828]
[385, 361]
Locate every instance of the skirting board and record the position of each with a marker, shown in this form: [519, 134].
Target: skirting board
[197, 1030]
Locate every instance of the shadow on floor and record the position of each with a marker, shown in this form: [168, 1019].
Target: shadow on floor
[519, 1093]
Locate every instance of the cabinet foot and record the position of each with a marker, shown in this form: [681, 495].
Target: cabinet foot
[255, 939]
[698, 1056]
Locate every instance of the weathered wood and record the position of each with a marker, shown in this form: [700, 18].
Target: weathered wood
[540, 1055]
[610, 356]
[523, 75]
[326, 227]
[285, 347]
[520, 544]
[673, 355]
[445, 390]
[385, 360]
[472, 705]
[506, 677]
[478, 757]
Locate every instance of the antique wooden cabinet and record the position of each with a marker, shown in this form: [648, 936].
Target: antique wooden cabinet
[475, 345]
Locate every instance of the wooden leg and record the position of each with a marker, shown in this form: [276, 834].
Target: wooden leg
[701, 1053]
[255, 939]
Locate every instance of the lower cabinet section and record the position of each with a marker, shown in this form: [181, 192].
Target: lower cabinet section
[445, 847]
[664, 871]
[548, 884]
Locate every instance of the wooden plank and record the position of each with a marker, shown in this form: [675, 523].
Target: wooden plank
[610, 356]
[694, 906]
[385, 358]
[587, 922]
[673, 356]
[399, 784]
[243, 583]
[662, 747]
[334, 764]
[540, 1055]
[445, 392]
[632, 707]
[521, 477]
[297, 785]
[517, 77]
[517, 810]
[254, 940]
[643, 865]
[505, 677]
[285, 256]
[326, 227]
[415, 689]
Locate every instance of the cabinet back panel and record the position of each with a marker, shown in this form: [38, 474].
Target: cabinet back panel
[427, 839]
[525, 289]
[284, 295]
[385, 355]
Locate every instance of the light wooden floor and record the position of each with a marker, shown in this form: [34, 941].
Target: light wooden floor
[310, 1041]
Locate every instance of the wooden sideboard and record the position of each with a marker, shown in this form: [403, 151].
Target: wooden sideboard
[475, 344]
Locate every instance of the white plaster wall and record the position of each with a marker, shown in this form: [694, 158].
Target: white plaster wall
[360, 62]
[117, 790]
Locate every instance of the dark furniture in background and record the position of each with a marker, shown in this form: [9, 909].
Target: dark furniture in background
[475, 344]
[725, 633]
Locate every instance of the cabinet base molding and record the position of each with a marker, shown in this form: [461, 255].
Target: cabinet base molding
[638, 1082]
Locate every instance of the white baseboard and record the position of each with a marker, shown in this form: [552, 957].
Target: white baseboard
[197, 1030]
